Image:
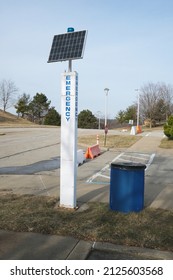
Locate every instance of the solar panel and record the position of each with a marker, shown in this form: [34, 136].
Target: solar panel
[67, 46]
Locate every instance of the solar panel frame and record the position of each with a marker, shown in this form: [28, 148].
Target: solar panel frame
[68, 46]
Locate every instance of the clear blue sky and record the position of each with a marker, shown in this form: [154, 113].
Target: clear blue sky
[129, 43]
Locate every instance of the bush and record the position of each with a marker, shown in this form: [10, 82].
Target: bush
[168, 128]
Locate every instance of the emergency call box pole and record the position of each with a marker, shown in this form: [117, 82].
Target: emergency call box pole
[67, 47]
[69, 118]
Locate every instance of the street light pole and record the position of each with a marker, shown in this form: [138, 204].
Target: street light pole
[137, 125]
[99, 116]
[106, 104]
[106, 90]
[137, 107]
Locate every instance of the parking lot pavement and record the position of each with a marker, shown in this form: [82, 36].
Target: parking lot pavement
[33, 167]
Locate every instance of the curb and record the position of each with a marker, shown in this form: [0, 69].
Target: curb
[138, 251]
[80, 251]
[83, 249]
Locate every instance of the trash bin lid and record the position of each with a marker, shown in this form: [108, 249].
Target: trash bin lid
[128, 165]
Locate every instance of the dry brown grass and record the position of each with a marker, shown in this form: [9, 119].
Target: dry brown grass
[112, 141]
[8, 119]
[150, 228]
[166, 143]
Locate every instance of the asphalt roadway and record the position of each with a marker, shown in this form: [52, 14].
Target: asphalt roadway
[29, 164]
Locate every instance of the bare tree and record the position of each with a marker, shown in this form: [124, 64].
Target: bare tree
[155, 101]
[166, 94]
[7, 94]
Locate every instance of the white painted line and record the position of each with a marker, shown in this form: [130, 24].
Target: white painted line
[150, 161]
[107, 167]
[117, 157]
[147, 134]
[90, 180]
[123, 159]
[104, 176]
[131, 155]
[44, 186]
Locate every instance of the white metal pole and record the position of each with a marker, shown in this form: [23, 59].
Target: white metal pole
[137, 108]
[138, 111]
[106, 104]
[98, 116]
[106, 110]
[69, 111]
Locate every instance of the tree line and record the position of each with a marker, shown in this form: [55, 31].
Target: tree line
[155, 105]
[37, 109]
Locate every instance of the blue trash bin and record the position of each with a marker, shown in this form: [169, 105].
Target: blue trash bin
[127, 187]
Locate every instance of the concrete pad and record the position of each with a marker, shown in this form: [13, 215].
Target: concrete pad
[92, 193]
[36, 184]
[165, 199]
[34, 246]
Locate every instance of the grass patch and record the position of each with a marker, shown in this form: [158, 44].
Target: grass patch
[166, 143]
[150, 228]
[112, 141]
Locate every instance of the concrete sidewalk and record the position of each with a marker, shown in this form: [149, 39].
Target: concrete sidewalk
[35, 246]
[158, 179]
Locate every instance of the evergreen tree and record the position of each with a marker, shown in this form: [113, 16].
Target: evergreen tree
[52, 117]
[168, 128]
[87, 120]
[39, 107]
[22, 105]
